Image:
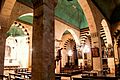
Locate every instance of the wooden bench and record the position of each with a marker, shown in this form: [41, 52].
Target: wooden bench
[57, 78]
[10, 67]
[81, 79]
[100, 77]
[64, 75]
[3, 77]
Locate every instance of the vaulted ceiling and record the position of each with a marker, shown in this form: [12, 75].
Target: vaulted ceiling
[28, 18]
[71, 12]
[110, 9]
[63, 12]
[26, 2]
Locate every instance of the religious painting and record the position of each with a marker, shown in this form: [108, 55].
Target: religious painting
[7, 51]
[85, 55]
[10, 52]
[119, 50]
[95, 52]
[110, 52]
[80, 55]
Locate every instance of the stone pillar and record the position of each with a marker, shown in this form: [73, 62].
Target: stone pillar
[3, 29]
[97, 61]
[91, 13]
[4, 21]
[43, 62]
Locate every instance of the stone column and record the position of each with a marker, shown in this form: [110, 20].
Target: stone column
[97, 61]
[43, 63]
[4, 21]
[3, 29]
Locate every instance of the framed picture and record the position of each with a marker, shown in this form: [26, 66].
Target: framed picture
[95, 52]
[110, 52]
[80, 55]
[10, 53]
[85, 55]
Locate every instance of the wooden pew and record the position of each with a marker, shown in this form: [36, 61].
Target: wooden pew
[81, 79]
[3, 77]
[57, 78]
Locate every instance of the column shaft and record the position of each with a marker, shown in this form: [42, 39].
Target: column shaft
[43, 41]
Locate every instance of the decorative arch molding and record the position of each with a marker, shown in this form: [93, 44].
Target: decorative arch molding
[74, 36]
[23, 29]
[72, 32]
[60, 29]
[67, 42]
[85, 34]
[105, 33]
[91, 13]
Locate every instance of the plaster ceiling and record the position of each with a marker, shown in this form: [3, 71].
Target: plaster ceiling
[28, 18]
[110, 9]
[26, 2]
[71, 12]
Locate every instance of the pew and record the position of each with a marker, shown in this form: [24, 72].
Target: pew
[57, 78]
[3, 77]
[99, 78]
[81, 79]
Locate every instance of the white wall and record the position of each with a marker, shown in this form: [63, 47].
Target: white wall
[19, 51]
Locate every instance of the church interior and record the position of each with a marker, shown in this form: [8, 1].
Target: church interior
[59, 39]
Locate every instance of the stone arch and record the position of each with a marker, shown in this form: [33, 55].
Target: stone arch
[105, 33]
[18, 24]
[72, 32]
[74, 36]
[10, 6]
[68, 44]
[24, 30]
[85, 34]
[24, 41]
[89, 15]
[19, 10]
[67, 41]
[7, 7]
[11, 10]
